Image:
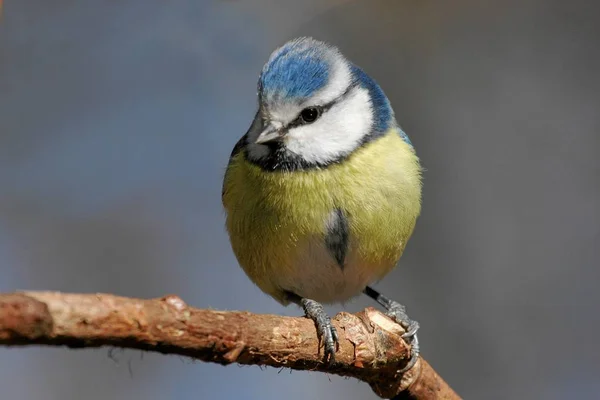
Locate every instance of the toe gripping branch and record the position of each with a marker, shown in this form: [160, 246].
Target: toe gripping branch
[327, 334]
[397, 312]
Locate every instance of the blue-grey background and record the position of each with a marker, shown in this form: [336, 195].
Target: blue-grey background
[116, 123]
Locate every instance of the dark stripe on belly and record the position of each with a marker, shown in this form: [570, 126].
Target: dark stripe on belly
[337, 236]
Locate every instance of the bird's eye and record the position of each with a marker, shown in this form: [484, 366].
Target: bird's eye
[310, 114]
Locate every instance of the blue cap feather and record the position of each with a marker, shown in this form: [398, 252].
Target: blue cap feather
[296, 71]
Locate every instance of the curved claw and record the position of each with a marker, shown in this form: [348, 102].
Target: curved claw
[397, 312]
[414, 354]
[327, 333]
[411, 329]
[329, 337]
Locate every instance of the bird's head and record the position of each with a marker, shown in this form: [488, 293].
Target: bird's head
[315, 108]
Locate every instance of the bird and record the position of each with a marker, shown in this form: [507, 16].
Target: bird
[323, 192]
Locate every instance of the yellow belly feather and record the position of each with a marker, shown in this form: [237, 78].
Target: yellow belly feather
[275, 218]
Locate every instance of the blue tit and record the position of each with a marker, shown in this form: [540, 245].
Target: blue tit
[323, 191]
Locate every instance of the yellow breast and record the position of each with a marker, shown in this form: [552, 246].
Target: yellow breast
[277, 219]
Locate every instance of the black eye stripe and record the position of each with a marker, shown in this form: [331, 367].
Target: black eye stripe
[340, 97]
[322, 109]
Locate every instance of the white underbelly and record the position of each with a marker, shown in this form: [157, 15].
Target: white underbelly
[316, 275]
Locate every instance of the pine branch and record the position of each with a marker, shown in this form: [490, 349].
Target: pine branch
[371, 348]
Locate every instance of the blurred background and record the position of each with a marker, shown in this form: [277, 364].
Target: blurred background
[116, 124]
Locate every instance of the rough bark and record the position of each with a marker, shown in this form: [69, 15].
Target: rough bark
[371, 348]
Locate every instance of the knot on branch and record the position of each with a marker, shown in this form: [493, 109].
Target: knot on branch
[371, 345]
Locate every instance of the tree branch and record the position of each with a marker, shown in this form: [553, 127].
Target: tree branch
[371, 348]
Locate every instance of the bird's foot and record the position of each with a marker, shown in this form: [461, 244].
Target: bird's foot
[327, 334]
[397, 312]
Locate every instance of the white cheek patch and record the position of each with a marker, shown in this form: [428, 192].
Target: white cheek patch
[339, 81]
[336, 133]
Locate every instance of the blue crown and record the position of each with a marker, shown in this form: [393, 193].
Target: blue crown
[301, 67]
[296, 71]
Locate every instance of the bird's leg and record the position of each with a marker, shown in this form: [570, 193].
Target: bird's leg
[397, 312]
[326, 332]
